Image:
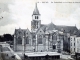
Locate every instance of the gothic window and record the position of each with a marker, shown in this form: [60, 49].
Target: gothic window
[19, 40]
[27, 40]
[40, 39]
[54, 46]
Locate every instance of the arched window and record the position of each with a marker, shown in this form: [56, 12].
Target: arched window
[40, 39]
[54, 46]
[19, 41]
[27, 40]
[37, 17]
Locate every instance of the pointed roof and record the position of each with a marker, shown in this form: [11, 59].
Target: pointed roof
[68, 29]
[36, 11]
[51, 26]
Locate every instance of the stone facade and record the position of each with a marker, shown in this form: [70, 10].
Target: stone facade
[42, 37]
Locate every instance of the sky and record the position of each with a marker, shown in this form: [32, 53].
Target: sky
[16, 14]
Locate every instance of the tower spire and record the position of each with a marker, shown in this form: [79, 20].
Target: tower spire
[36, 11]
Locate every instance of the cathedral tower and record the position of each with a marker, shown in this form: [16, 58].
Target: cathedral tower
[36, 22]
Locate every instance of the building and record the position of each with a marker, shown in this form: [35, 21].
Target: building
[73, 44]
[43, 37]
[77, 43]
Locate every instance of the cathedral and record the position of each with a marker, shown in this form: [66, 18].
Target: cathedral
[41, 38]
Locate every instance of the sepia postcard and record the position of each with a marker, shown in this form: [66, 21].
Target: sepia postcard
[39, 30]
